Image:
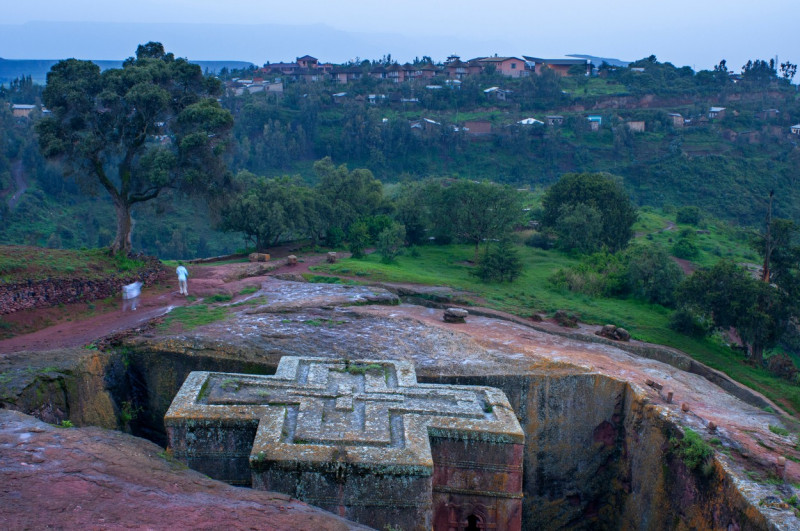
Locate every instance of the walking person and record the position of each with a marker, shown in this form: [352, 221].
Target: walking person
[183, 274]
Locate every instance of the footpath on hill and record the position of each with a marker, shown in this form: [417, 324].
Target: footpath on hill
[204, 281]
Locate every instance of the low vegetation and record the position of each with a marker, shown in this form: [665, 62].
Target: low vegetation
[189, 317]
[23, 263]
[605, 293]
[694, 451]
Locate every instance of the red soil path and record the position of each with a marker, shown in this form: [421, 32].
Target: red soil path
[84, 327]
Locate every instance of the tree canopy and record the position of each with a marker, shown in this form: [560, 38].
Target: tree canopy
[598, 197]
[153, 124]
[475, 211]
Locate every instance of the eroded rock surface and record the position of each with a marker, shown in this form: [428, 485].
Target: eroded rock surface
[598, 450]
[91, 478]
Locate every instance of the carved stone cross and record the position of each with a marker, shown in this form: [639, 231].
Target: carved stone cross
[352, 437]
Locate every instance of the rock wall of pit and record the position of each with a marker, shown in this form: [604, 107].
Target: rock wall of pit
[597, 454]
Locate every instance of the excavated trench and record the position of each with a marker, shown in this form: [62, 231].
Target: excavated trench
[597, 451]
[596, 456]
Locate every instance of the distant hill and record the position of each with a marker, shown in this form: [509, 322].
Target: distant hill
[11, 69]
[597, 61]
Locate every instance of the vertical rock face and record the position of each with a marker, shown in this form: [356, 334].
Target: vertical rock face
[662, 492]
[59, 385]
[597, 455]
[573, 445]
[363, 440]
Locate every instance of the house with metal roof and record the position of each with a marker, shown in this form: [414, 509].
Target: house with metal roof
[559, 66]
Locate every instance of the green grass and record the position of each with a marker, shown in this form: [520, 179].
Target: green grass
[218, 297]
[692, 449]
[249, 290]
[532, 293]
[328, 323]
[189, 317]
[19, 263]
[777, 430]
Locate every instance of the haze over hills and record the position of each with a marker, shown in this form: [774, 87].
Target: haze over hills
[11, 69]
[30, 49]
[256, 43]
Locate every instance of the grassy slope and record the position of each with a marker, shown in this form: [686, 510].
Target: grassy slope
[21, 263]
[447, 265]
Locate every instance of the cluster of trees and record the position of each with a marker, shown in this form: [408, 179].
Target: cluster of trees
[349, 206]
[590, 214]
[760, 309]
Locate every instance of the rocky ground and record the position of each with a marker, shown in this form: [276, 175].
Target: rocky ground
[353, 322]
[91, 478]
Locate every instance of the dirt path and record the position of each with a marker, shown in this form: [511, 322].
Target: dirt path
[18, 173]
[155, 301]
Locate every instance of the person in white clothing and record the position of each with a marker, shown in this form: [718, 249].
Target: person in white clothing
[183, 274]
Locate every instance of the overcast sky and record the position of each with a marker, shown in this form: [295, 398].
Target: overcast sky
[696, 33]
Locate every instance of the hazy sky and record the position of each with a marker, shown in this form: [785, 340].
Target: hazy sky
[686, 32]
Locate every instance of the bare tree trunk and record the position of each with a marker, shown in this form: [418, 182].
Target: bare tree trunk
[122, 241]
[765, 271]
[757, 354]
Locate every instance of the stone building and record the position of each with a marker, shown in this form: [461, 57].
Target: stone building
[361, 439]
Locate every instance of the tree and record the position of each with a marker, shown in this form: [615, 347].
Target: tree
[579, 228]
[476, 211]
[788, 70]
[759, 71]
[500, 263]
[689, 215]
[390, 242]
[411, 212]
[652, 275]
[358, 238]
[270, 211]
[599, 191]
[350, 195]
[152, 125]
[727, 296]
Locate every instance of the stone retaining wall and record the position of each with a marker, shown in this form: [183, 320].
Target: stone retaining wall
[51, 292]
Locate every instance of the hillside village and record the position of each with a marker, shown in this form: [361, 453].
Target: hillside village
[424, 75]
[413, 81]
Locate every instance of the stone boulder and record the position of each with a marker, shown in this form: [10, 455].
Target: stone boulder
[564, 318]
[258, 257]
[616, 333]
[455, 315]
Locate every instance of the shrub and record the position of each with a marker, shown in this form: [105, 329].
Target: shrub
[500, 264]
[390, 242]
[777, 430]
[652, 275]
[689, 215]
[358, 239]
[686, 322]
[599, 274]
[334, 237]
[692, 449]
[539, 240]
[782, 366]
[685, 248]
